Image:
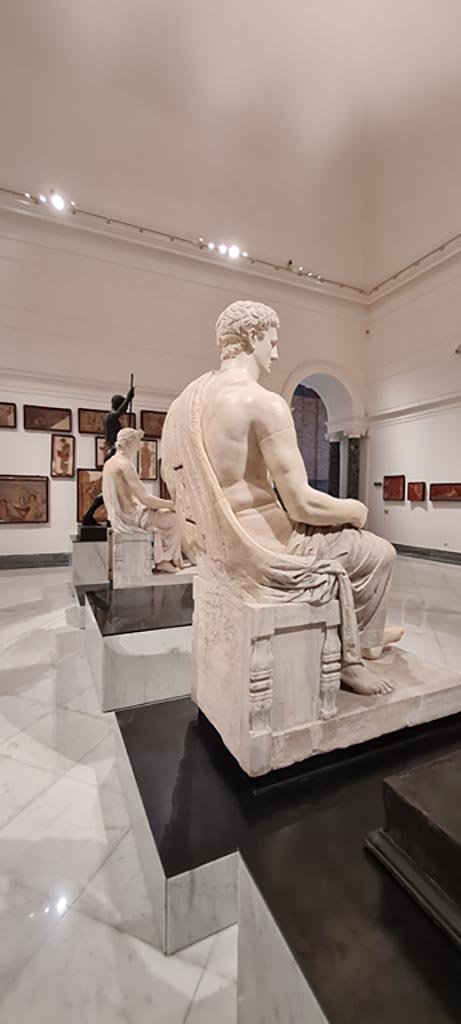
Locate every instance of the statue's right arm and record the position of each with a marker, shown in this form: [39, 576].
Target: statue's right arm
[279, 446]
[126, 401]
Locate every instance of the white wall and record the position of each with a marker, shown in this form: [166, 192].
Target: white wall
[80, 312]
[414, 405]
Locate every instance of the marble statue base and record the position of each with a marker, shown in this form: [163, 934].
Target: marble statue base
[267, 677]
[421, 841]
[192, 808]
[130, 559]
[89, 562]
[139, 643]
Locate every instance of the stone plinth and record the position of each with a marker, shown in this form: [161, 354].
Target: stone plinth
[139, 643]
[130, 559]
[89, 562]
[421, 841]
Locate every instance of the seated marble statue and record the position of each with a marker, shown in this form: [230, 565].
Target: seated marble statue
[130, 507]
[226, 441]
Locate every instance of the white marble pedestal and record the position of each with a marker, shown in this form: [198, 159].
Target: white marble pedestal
[89, 562]
[138, 667]
[130, 559]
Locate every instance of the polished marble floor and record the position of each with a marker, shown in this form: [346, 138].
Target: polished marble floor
[75, 933]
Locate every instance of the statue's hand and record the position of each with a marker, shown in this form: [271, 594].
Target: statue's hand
[131, 393]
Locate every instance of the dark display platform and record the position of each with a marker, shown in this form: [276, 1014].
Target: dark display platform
[92, 533]
[367, 951]
[421, 841]
[138, 609]
[201, 807]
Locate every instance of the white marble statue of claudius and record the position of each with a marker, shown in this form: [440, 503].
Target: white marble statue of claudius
[226, 441]
[132, 509]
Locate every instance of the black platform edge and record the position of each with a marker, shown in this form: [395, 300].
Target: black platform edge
[437, 904]
[432, 554]
[92, 533]
[40, 560]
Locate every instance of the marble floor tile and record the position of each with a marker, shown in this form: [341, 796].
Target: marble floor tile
[86, 702]
[17, 714]
[57, 741]
[117, 894]
[20, 784]
[26, 918]
[223, 955]
[58, 842]
[99, 766]
[199, 952]
[215, 1001]
[88, 973]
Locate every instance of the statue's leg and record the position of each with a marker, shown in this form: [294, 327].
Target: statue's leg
[88, 518]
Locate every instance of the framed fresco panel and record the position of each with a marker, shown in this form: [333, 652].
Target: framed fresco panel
[152, 422]
[91, 421]
[147, 460]
[416, 491]
[445, 492]
[7, 415]
[394, 488]
[23, 499]
[62, 456]
[47, 417]
[89, 485]
[100, 445]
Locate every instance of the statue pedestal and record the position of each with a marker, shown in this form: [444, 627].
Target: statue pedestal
[130, 559]
[421, 841]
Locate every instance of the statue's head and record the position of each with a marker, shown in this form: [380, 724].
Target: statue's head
[116, 401]
[129, 441]
[249, 327]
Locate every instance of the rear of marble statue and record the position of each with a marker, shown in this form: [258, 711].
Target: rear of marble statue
[287, 604]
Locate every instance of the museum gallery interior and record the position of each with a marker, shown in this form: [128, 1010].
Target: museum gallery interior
[230, 512]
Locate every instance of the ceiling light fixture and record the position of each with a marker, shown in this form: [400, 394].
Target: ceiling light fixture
[27, 195]
[223, 249]
[211, 245]
[72, 203]
[42, 198]
[57, 201]
[245, 255]
[234, 252]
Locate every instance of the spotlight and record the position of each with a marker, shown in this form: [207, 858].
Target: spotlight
[309, 273]
[201, 239]
[223, 249]
[57, 201]
[72, 203]
[234, 252]
[42, 198]
[27, 195]
[245, 255]
[319, 277]
[211, 245]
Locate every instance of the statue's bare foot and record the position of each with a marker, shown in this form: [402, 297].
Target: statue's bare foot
[359, 679]
[166, 567]
[392, 635]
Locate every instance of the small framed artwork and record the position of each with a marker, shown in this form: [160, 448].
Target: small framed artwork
[416, 491]
[46, 417]
[100, 445]
[445, 492]
[394, 488]
[148, 460]
[23, 499]
[91, 421]
[7, 415]
[62, 456]
[152, 422]
[89, 486]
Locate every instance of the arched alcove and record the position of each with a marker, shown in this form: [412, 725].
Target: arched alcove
[341, 425]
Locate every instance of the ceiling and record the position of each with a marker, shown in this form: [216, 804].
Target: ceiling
[329, 134]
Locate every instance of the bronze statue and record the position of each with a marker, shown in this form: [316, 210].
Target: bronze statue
[112, 425]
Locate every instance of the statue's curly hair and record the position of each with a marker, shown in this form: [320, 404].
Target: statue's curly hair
[241, 325]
